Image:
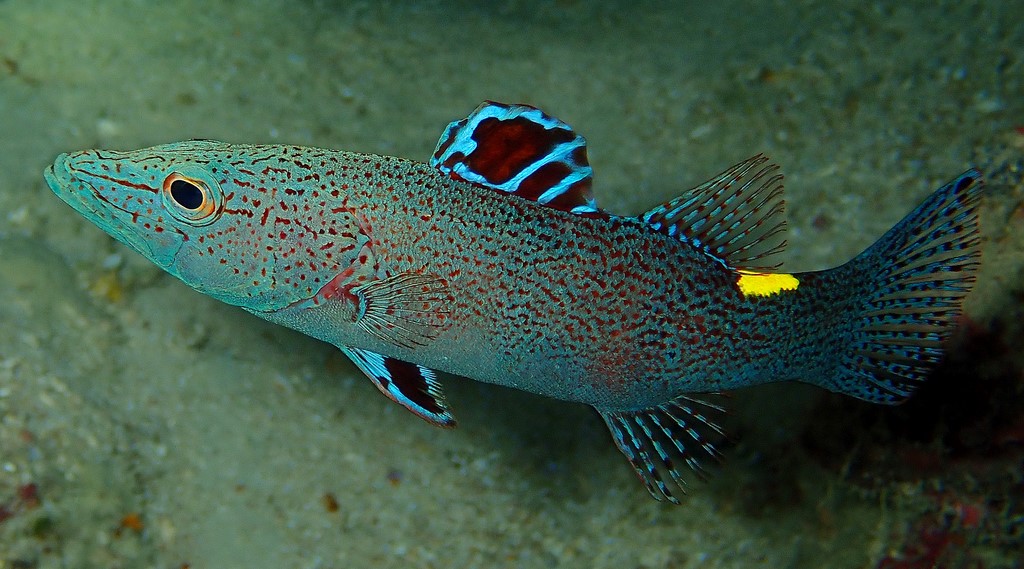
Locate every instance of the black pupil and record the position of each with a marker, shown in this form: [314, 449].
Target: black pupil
[186, 194]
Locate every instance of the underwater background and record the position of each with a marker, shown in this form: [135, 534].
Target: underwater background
[143, 424]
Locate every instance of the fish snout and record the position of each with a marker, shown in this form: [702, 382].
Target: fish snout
[57, 175]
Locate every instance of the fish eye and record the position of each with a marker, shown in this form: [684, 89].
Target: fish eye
[190, 199]
[186, 194]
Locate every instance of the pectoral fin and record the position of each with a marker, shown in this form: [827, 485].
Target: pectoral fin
[414, 387]
[407, 309]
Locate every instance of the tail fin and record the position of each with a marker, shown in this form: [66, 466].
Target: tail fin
[916, 277]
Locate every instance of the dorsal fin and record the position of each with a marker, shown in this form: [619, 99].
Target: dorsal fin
[736, 216]
[521, 150]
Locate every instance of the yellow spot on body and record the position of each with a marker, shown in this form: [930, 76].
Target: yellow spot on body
[765, 284]
[108, 285]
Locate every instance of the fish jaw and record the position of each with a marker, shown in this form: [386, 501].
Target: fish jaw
[74, 180]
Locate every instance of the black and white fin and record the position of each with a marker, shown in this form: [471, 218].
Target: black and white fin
[736, 216]
[659, 442]
[412, 386]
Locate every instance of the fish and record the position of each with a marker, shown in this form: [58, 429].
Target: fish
[493, 261]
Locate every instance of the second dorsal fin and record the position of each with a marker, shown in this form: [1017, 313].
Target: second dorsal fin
[520, 150]
[736, 216]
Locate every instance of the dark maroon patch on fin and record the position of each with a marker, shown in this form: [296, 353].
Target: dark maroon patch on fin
[408, 379]
[520, 150]
[506, 147]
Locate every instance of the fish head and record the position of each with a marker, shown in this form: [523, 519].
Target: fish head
[209, 213]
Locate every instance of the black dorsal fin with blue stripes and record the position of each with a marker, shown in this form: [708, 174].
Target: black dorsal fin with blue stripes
[520, 150]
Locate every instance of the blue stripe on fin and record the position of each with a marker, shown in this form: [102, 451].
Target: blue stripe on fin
[520, 150]
[412, 386]
[736, 217]
[656, 442]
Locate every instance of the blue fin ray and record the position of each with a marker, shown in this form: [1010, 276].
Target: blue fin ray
[736, 216]
[917, 276]
[658, 441]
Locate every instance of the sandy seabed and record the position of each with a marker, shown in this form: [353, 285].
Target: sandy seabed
[145, 425]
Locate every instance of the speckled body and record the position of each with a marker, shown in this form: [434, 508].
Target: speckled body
[598, 309]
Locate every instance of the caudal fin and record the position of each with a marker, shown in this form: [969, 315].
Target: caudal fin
[915, 278]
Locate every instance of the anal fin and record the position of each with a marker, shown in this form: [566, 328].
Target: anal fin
[412, 386]
[658, 441]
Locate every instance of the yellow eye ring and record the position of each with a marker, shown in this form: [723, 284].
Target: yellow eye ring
[191, 200]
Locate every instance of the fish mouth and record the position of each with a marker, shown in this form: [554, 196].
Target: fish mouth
[72, 189]
[71, 185]
[59, 178]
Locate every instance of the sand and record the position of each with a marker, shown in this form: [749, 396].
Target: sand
[145, 425]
